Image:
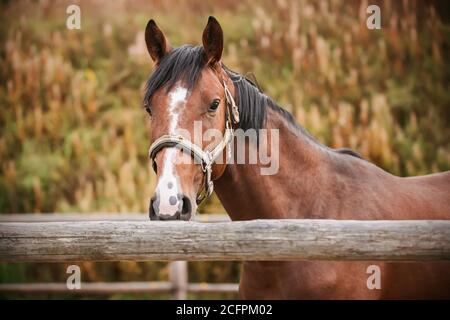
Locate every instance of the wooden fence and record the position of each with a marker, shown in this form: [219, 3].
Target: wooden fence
[243, 240]
[99, 216]
[178, 285]
[127, 239]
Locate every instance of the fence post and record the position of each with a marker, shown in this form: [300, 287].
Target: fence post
[179, 279]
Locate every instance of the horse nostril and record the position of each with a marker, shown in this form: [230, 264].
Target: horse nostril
[153, 208]
[186, 208]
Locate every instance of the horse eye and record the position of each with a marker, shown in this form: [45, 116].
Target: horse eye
[214, 105]
[149, 111]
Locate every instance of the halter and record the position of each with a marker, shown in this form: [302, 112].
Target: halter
[206, 158]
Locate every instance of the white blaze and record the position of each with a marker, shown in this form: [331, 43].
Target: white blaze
[177, 99]
[168, 186]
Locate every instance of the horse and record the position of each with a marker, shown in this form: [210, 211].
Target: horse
[190, 84]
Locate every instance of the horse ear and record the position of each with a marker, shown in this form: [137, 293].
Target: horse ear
[213, 41]
[157, 44]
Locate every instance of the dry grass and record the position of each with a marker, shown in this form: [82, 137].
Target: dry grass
[73, 135]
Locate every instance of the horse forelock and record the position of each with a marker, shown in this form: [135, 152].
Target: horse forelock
[181, 64]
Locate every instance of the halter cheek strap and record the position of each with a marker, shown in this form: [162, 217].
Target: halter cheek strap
[231, 104]
[205, 158]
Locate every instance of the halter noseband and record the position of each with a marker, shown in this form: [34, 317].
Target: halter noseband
[206, 158]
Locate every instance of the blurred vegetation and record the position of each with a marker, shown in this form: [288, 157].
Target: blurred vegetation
[73, 135]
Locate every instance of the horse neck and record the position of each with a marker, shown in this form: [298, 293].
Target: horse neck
[247, 194]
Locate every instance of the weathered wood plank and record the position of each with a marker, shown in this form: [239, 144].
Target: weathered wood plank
[245, 240]
[100, 288]
[88, 288]
[213, 287]
[98, 216]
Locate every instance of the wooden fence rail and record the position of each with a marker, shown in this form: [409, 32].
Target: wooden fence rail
[178, 286]
[98, 216]
[105, 288]
[245, 240]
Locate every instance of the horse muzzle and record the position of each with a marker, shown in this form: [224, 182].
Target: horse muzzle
[180, 208]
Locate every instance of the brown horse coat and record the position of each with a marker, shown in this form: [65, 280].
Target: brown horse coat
[313, 181]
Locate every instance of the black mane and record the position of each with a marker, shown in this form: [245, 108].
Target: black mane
[187, 62]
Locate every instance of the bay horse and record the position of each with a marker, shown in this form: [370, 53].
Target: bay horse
[191, 84]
